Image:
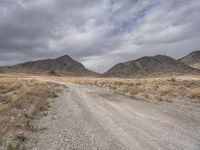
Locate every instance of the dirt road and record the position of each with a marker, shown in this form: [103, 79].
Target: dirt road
[87, 117]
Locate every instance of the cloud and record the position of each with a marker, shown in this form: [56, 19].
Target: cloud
[97, 32]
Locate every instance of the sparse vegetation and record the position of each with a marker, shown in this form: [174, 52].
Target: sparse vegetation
[15, 147]
[159, 98]
[173, 80]
[21, 99]
[164, 87]
[195, 94]
[29, 126]
[29, 97]
[167, 90]
[146, 96]
[51, 94]
[21, 138]
[133, 91]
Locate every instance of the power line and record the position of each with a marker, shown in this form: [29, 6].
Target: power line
[100, 68]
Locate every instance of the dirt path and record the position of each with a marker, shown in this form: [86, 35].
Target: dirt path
[87, 117]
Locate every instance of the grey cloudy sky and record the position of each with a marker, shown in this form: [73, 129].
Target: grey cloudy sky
[97, 32]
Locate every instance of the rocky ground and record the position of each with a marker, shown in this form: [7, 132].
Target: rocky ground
[88, 117]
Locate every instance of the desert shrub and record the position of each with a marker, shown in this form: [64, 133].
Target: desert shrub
[195, 94]
[118, 83]
[50, 94]
[5, 99]
[125, 89]
[146, 96]
[2, 88]
[133, 91]
[168, 90]
[173, 80]
[112, 87]
[21, 137]
[138, 83]
[159, 98]
[14, 147]
[156, 87]
[168, 100]
[131, 84]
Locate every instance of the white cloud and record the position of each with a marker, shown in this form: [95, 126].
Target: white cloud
[97, 32]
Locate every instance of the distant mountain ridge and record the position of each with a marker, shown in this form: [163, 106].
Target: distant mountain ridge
[192, 59]
[159, 64]
[145, 66]
[64, 65]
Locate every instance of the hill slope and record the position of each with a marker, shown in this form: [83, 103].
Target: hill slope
[192, 60]
[64, 65]
[159, 64]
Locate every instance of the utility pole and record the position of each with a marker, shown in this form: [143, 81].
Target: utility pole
[100, 68]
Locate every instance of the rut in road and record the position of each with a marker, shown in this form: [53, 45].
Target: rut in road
[87, 117]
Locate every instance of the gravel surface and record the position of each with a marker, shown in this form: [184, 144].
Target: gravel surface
[91, 118]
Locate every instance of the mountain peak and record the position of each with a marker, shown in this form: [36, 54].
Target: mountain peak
[63, 65]
[150, 65]
[161, 56]
[192, 59]
[64, 57]
[196, 52]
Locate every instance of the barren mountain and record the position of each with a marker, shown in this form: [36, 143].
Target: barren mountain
[192, 60]
[144, 66]
[64, 65]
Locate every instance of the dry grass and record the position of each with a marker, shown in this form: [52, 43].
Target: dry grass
[12, 89]
[164, 87]
[21, 99]
[133, 90]
[195, 94]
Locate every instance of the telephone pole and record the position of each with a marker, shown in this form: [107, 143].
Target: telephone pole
[100, 68]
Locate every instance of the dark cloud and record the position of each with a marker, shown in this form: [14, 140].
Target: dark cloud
[97, 32]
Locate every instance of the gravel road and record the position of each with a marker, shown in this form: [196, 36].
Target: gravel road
[88, 117]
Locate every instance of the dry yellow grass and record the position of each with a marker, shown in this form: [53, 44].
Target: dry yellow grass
[20, 91]
[11, 89]
[195, 94]
[186, 86]
[21, 98]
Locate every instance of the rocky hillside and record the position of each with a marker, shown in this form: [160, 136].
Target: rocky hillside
[145, 66]
[192, 60]
[64, 65]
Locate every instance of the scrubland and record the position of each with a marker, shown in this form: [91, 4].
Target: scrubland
[25, 97]
[157, 89]
[154, 89]
[21, 99]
